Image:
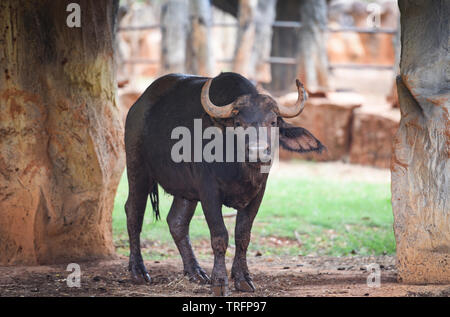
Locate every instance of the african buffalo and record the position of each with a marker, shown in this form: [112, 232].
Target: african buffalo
[228, 100]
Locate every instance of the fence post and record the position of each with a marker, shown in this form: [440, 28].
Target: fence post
[174, 23]
[199, 54]
[312, 52]
[265, 17]
[245, 37]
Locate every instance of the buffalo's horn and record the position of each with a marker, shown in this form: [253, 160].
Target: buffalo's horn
[289, 112]
[210, 108]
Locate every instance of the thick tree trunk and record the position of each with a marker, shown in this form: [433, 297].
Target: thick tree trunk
[420, 164]
[200, 59]
[265, 16]
[245, 37]
[312, 52]
[174, 22]
[61, 148]
[254, 39]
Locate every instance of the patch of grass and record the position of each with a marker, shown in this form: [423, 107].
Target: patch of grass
[309, 217]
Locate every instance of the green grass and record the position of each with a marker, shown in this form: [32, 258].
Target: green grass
[311, 216]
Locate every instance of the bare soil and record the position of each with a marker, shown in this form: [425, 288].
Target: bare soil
[273, 276]
[292, 276]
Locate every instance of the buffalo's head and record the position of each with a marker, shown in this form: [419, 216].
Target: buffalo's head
[262, 111]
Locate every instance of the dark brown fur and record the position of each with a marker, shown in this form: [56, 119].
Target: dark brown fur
[174, 101]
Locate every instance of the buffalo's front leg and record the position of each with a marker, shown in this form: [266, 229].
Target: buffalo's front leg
[244, 221]
[179, 217]
[212, 208]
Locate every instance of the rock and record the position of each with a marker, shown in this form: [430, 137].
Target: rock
[420, 166]
[329, 119]
[344, 47]
[372, 134]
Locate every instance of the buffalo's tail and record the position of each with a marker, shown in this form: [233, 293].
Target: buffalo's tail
[154, 199]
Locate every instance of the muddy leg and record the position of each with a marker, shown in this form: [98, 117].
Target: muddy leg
[244, 221]
[212, 209]
[135, 207]
[179, 217]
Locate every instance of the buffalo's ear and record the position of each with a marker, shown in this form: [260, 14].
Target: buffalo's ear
[298, 139]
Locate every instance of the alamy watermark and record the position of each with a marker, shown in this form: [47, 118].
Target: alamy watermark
[73, 20]
[374, 278]
[253, 144]
[374, 17]
[74, 278]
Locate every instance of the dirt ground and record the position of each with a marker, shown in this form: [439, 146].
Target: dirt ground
[273, 277]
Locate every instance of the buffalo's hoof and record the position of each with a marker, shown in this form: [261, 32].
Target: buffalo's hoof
[244, 285]
[220, 290]
[198, 275]
[139, 273]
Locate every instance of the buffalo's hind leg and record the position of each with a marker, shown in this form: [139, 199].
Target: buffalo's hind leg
[244, 221]
[138, 183]
[179, 218]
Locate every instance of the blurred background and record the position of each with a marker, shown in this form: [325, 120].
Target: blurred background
[345, 52]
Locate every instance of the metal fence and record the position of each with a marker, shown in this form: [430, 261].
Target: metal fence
[276, 59]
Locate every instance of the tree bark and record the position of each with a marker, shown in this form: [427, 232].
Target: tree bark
[61, 148]
[174, 22]
[199, 57]
[254, 39]
[264, 18]
[245, 37]
[312, 52]
[420, 165]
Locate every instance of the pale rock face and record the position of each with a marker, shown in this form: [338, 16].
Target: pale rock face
[372, 135]
[329, 119]
[61, 137]
[420, 162]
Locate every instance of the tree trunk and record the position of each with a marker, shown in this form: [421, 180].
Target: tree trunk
[265, 16]
[245, 37]
[61, 148]
[312, 52]
[200, 59]
[254, 39]
[174, 22]
[420, 164]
